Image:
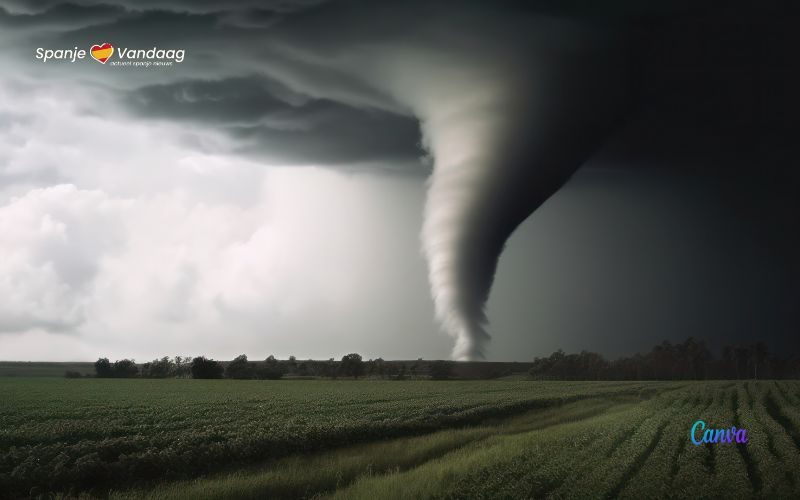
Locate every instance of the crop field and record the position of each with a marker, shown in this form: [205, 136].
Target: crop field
[395, 439]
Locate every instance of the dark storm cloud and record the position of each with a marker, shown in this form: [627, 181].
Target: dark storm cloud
[38, 6]
[148, 27]
[236, 90]
[60, 16]
[285, 126]
[244, 100]
[510, 100]
[252, 18]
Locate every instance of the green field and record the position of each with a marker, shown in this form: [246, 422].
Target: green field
[395, 439]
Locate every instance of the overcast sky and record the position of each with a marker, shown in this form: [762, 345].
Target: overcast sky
[267, 194]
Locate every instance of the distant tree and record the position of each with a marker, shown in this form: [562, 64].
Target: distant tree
[159, 368]
[441, 370]
[728, 368]
[697, 355]
[240, 368]
[380, 367]
[72, 374]
[742, 358]
[352, 365]
[689, 360]
[125, 368]
[663, 356]
[401, 375]
[328, 369]
[103, 369]
[592, 365]
[758, 353]
[204, 368]
[291, 365]
[182, 366]
[793, 367]
[538, 369]
[271, 369]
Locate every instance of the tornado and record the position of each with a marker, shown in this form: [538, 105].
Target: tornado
[506, 118]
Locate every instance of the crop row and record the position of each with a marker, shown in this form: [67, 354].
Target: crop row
[91, 434]
[564, 460]
[644, 450]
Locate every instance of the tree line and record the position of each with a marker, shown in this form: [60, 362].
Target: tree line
[241, 368]
[199, 367]
[689, 360]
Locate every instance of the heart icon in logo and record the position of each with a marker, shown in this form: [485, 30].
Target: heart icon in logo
[102, 53]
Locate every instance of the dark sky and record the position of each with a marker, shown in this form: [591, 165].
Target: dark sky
[267, 192]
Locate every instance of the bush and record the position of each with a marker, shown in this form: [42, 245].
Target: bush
[103, 369]
[159, 368]
[125, 368]
[205, 368]
[122, 368]
[352, 365]
[239, 368]
[271, 370]
[72, 374]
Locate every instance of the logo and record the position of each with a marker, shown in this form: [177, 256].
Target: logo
[102, 53]
[121, 56]
[715, 436]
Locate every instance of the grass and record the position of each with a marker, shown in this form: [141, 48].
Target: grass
[370, 439]
[301, 476]
[78, 435]
[622, 452]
